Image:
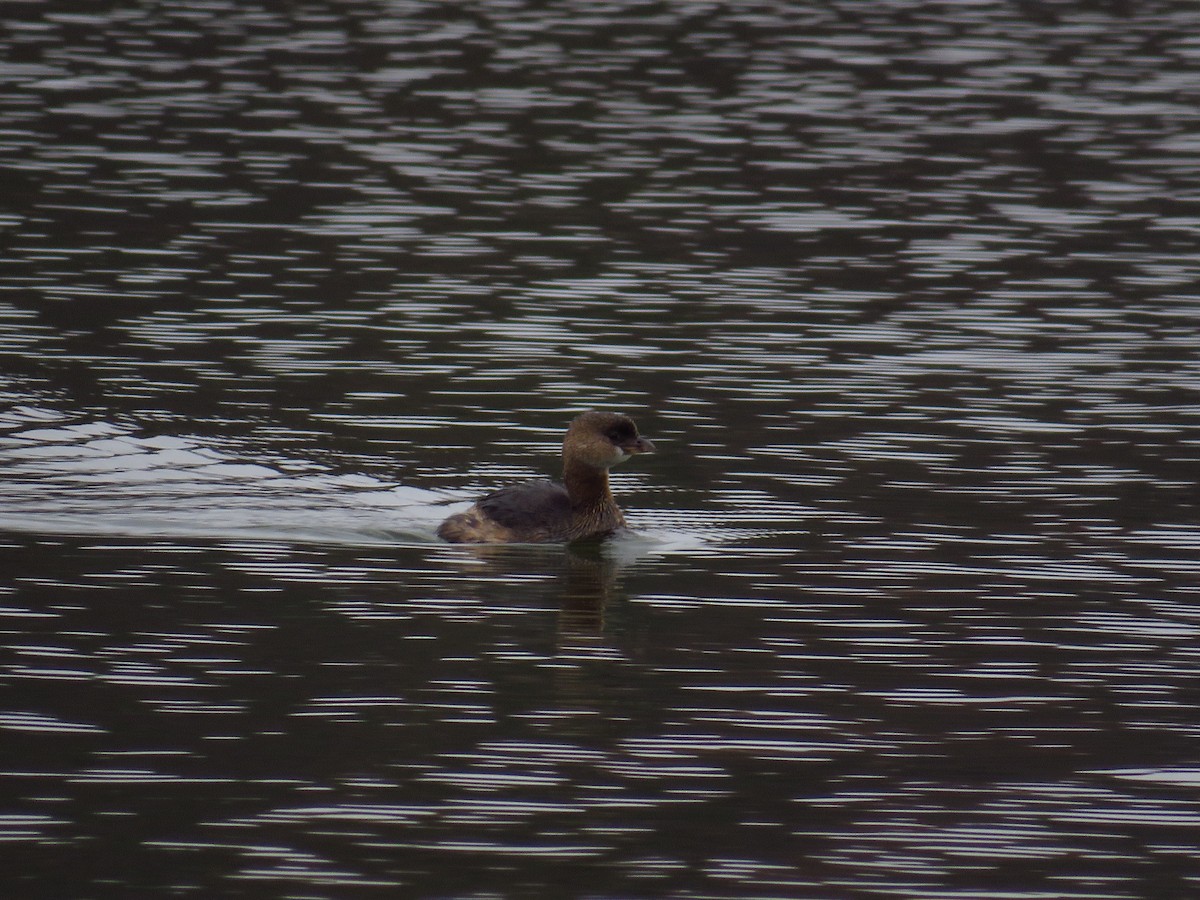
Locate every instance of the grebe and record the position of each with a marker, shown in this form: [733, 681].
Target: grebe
[582, 506]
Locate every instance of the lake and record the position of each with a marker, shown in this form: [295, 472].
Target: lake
[905, 295]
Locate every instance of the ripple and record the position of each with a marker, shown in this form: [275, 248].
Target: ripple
[903, 296]
[12, 720]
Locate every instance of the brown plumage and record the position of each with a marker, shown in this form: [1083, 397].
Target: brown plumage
[541, 511]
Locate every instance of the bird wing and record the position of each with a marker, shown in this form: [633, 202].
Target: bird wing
[530, 505]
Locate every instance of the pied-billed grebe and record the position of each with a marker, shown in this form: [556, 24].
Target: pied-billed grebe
[538, 511]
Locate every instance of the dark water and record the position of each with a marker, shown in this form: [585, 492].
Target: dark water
[904, 292]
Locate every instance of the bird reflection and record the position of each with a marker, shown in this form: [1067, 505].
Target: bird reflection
[585, 580]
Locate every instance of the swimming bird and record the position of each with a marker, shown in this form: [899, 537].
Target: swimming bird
[581, 506]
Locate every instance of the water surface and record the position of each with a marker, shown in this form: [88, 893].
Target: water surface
[904, 294]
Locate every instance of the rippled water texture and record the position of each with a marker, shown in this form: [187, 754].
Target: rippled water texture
[905, 293]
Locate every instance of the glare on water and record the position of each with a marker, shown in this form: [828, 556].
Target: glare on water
[903, 294]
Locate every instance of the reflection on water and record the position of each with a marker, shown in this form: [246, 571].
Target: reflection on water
[907, 294]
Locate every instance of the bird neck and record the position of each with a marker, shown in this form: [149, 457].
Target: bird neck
[586, 485]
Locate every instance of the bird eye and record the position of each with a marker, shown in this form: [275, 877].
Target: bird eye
[619, 434]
